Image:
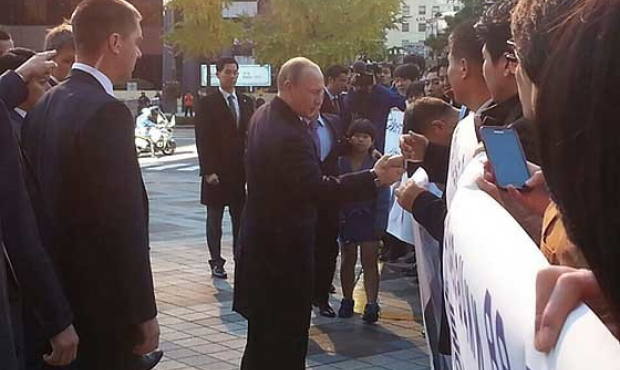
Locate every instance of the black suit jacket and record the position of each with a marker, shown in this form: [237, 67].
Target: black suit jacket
[329, 106]
[285, 186]
[221, 147]
[85, 162]
[35, 279]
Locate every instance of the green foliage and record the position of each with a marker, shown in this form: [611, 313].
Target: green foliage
[203, 32]
[472, 9]
[326, 31]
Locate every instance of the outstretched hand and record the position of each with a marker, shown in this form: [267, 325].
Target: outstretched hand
[39, 66]
[389, 169]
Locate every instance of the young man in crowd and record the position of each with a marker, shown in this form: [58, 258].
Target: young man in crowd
[6, 42]
[221, 128]
[404, 76]
[434, 84]
[367, 98]
[60, 38]
[94, 193]
[336, 83]
[467, 80]
[493, 29]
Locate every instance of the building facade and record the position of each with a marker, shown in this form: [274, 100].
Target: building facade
[29, 20]
[421, 19]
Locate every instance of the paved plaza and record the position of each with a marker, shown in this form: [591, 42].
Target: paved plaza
[199, 329]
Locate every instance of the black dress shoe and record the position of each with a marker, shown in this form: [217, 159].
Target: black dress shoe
[326, 310]
[146, 362]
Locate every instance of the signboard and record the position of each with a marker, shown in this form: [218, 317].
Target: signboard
[250, 75]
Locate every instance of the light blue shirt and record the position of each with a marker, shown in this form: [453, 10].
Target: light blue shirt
[325, 136]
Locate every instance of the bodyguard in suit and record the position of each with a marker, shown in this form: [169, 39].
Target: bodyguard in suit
[80, 140]
[331, 144]
[221, 129]
[285, 185]
[336, 83]
[31, 276]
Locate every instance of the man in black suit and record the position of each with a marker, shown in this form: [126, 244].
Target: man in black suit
[285, 185]
[221, 129]
[336, 83]
[33, 284]
[332, 145]
[84, 160]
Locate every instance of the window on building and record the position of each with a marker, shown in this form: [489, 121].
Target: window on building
[406, 10]
[436, 9]
[422, 27]
[422, 10]
[405, 27]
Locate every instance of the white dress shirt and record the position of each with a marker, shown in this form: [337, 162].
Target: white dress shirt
[226, 94]
[104, 80]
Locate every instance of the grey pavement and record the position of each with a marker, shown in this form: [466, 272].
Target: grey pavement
[199, 329]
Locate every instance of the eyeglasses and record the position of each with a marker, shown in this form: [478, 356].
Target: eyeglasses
[511, 55]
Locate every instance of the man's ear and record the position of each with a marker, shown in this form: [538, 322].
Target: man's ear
[438, 124]
[115, 43]
[464, 68]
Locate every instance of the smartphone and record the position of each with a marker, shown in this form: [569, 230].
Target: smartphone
[506, 154]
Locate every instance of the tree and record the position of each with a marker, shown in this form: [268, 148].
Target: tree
[202, 30]
[472, 9]
[326, 31]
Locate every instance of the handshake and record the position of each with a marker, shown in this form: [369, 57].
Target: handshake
[389, 169]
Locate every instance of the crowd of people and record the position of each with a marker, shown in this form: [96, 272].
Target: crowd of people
[305, 177]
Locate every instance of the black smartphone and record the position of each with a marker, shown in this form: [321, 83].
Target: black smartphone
[506, 154]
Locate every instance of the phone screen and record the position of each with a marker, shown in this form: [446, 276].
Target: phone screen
[506, 155]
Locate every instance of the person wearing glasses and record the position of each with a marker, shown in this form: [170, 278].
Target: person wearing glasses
[221, 129]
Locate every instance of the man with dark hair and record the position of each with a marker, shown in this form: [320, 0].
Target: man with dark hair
[415, 92]
[36, 86]
[493, 29]
[6, 42]
[221, 128]
[404, 76]
[60, 38]
[384, 74]
[29, 270]
[336, 83]
[94, 192]
[434, 84]
[369, 99]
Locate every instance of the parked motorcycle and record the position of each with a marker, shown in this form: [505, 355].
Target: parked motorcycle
[154, 133]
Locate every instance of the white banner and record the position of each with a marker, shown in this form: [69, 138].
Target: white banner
[403, 226]
[490, 267]
[464, 145]
[393, 130]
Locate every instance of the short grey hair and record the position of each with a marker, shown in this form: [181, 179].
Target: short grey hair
[293, 69]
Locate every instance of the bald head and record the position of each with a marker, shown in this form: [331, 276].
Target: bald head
[301, 86]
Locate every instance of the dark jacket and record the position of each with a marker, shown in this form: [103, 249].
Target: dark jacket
[221, 147]
[285, 187]
[376, 107]
[332, 107]
[85, 162]
[35, 280]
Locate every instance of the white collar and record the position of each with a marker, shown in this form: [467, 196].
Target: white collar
[104, 80]
[331, 96]
[226, 94]
[21, 112]
[55, 80]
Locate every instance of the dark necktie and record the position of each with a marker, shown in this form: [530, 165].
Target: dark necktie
[233, 111]
[336, 105]
[313, 128]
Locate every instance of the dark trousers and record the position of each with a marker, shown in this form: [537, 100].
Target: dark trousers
[276, 345]
[188, 110]
[215, 214]
[326, 255]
